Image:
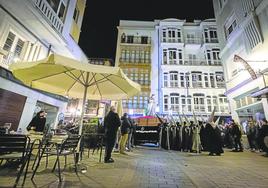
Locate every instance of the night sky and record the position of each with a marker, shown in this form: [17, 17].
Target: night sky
[99, 33]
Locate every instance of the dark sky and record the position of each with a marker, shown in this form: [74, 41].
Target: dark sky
[99, 33]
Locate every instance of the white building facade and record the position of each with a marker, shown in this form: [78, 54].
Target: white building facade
[190, 75]
[186, 73]
[30, 31]
[243, 31]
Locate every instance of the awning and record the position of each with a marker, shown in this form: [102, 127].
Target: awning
[262, 93]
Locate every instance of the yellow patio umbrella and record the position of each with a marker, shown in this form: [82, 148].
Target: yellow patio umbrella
[68, 77]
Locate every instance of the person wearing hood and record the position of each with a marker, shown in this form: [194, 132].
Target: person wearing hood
[214, 139]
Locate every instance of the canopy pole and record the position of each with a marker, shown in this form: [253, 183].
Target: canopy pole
[78, 157]
[84, 104]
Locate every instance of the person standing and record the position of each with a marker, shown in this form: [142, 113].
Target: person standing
[38, 122]
[125, 128]
[111, 124]
[236, 132]
[196, 139]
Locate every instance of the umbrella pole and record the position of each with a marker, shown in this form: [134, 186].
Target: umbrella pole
[83, 110]
[82, 117]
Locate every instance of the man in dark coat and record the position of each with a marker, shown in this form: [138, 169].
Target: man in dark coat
[111, 124]
[38, 122]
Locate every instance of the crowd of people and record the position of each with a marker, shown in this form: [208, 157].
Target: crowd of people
[213, 137]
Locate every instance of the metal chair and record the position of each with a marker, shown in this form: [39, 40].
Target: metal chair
[67, 147]
[16, 148]
[93, 141]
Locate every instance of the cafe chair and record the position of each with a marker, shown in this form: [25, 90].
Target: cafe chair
[16, 149]
[65, 148]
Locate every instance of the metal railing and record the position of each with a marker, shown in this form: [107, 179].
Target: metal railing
[193, 41]
[135, 40]
[198, 62]
[172, 40]
[50, 14]
[211, 40]
[135, 60]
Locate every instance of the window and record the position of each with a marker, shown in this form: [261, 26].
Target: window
[223, 103]
[172, 56]
[164, 35]
[189, 104]
[141, 103]
[144, 40]
[212, 80]
[54, 4]
[165, 79]
[197, 79]
[166, 103]
[76, 14]
[230, 26]
[199, 102]
[9, 41]
[206, 80]
[61, 13]
[130, 39]
[179, 35]
[192, 59]
[164, 57]
[208, 57]
[209, 103]
[216, 56]
[174, 102]
[253, 34]
[147, 56]
[220, 79]
[173, 79]
[19, 47]
[135, 101]
[180, 57]
[182, 80]
[215, 103]
[213, 34]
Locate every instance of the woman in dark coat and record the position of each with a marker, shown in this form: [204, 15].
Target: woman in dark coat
[38, 122]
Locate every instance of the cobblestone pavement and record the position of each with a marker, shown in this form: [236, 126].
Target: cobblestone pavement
[152, 167]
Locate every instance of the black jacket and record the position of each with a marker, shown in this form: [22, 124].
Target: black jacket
[38, 123]
[125, 128]
[111, 122]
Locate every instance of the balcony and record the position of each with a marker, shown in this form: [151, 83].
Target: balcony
[195, 62]
[135, 61]
[49, 14]
[220, 84]
[136, 40]
[171, 40]
[193, 41]
[211, 40]
[101, 61]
